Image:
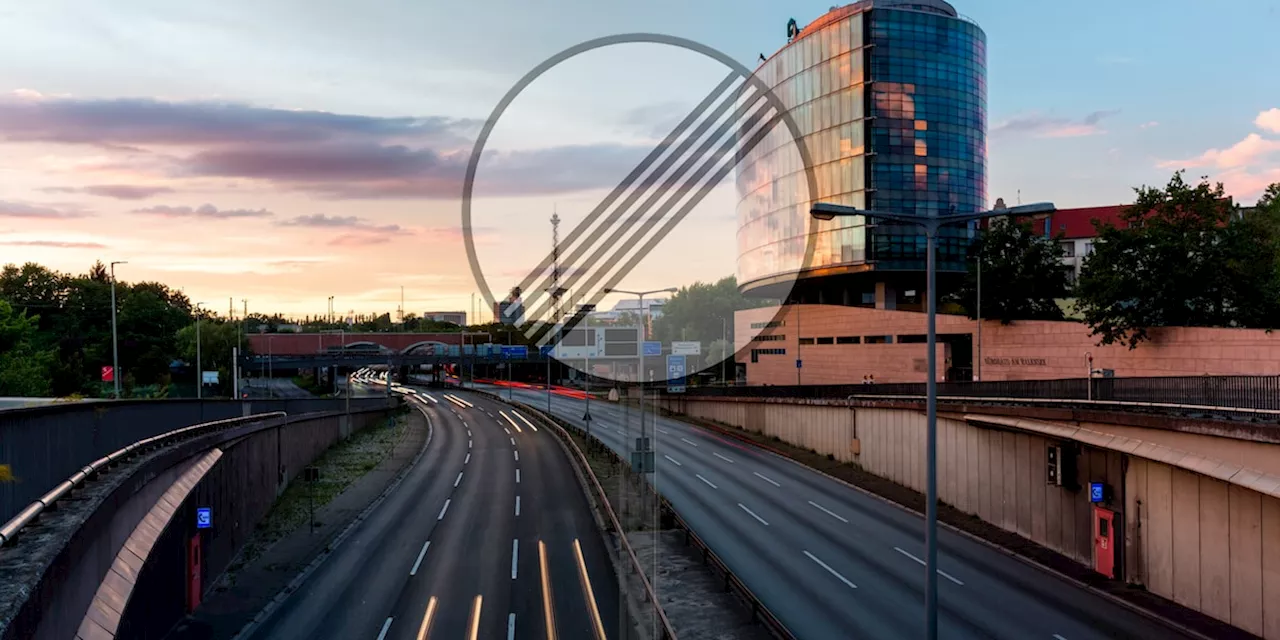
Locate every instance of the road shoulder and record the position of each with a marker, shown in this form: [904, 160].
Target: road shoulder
[250, 586]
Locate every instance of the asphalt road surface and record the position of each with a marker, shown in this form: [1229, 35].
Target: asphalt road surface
[832, 562]
[488, 536]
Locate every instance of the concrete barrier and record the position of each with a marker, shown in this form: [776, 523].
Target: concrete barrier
[43, 445]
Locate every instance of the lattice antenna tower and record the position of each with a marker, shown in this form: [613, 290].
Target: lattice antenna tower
[556, 291]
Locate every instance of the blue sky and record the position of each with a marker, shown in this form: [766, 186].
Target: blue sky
[1086, 101]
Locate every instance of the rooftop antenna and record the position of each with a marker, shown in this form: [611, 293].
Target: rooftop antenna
[556, 291]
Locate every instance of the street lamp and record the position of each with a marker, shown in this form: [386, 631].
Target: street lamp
[199, 369]
[931, 224]
[644, 335]
[115, 346]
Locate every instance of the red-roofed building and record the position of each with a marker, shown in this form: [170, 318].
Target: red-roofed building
[1076, 229]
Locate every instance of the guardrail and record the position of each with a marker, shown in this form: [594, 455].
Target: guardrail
[14, 526]
[1234, 393]
[668, 633]
[759, 612]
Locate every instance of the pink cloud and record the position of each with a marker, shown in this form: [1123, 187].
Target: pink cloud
[37, 212]
[359, 240]
[1269, 120]
[1246, 185]
[1248, 151]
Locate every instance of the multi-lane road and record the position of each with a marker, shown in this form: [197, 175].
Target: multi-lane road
[487, 536]
[832, 562]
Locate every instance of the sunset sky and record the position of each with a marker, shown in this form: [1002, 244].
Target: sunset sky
[288, 151]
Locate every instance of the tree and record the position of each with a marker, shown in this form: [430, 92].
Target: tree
[1186, 256]
[149, 319]
[217, 339]
[1023, 271]
[695, 312]
[24, 369]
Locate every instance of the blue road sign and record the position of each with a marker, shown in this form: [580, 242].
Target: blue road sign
[515, 351]
[204, 517]
[675, 374]
[1096, 492]
[546, 350]
[652, 348]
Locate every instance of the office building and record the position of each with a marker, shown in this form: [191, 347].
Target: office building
[890, 97]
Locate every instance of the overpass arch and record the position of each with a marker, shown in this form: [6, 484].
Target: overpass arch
[428, 347]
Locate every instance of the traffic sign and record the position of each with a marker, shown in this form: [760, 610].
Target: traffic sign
[675, 373]
[515, 351]
[108, 374]
[546, 350]
[798, 362]
[652, 348]
[204, 517]
[686, 348]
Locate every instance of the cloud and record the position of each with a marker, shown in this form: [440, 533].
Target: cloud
[1269, 120]
[656, 120]
[205, 211]
[358, 240]
[1044, 126]
[10, 209]
[54, 244]
[1248, 151]
[324, 154]
[322, 221]
[146, 121]
[1148, 125]
[117, 191]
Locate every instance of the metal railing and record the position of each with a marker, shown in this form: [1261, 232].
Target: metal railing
[1229, 392]
[15, 525]
[668, 633]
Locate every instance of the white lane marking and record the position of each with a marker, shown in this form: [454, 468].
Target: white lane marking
[922, 563]
[706, 481]
[459, 479]
[830, 570]
[468, 433]
[690, 442]
[513, 441]
[524, 420]
[464, 423]
[443, 509]
[673, 460]
[1058, 637]
[828, 512]
[661, 430]
[766, 479]
[513, 422]
[468, 458]
[386, 625]
[517, 476]
[468, 444]
[511, 626]
[753, 514]
[517, 505]
[507, 430]
[722, 457]
[517, 454]
[515, 557]
[421, 554]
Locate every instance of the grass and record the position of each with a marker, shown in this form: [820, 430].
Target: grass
[341, 465]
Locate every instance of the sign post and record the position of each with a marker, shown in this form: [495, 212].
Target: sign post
[675, 373]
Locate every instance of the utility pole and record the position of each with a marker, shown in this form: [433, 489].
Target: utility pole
[115, 344]
[199, 366]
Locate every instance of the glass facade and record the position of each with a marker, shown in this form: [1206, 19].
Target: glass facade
[928, 132]
[922, 149]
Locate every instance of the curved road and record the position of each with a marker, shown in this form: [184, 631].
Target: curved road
[488, 536]
[832, 562]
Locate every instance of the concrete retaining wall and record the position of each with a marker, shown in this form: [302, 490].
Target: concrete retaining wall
[1210, 546]
[44, 445]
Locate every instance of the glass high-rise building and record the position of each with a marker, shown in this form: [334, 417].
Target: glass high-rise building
[890, 96]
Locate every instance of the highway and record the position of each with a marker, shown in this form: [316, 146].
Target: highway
[487, 536]
[832, 562]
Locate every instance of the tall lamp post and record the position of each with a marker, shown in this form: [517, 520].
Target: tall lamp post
[644, 335]
[115, 345]
[199, 368]
[930, 225]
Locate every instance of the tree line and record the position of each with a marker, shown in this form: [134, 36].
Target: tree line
[1185, 255]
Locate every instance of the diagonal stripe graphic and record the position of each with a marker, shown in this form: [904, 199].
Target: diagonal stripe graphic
[689, 205]
[627, 182]
[664, 191]
[654, 196]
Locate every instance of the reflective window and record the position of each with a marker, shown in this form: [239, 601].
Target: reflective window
[928, 99]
